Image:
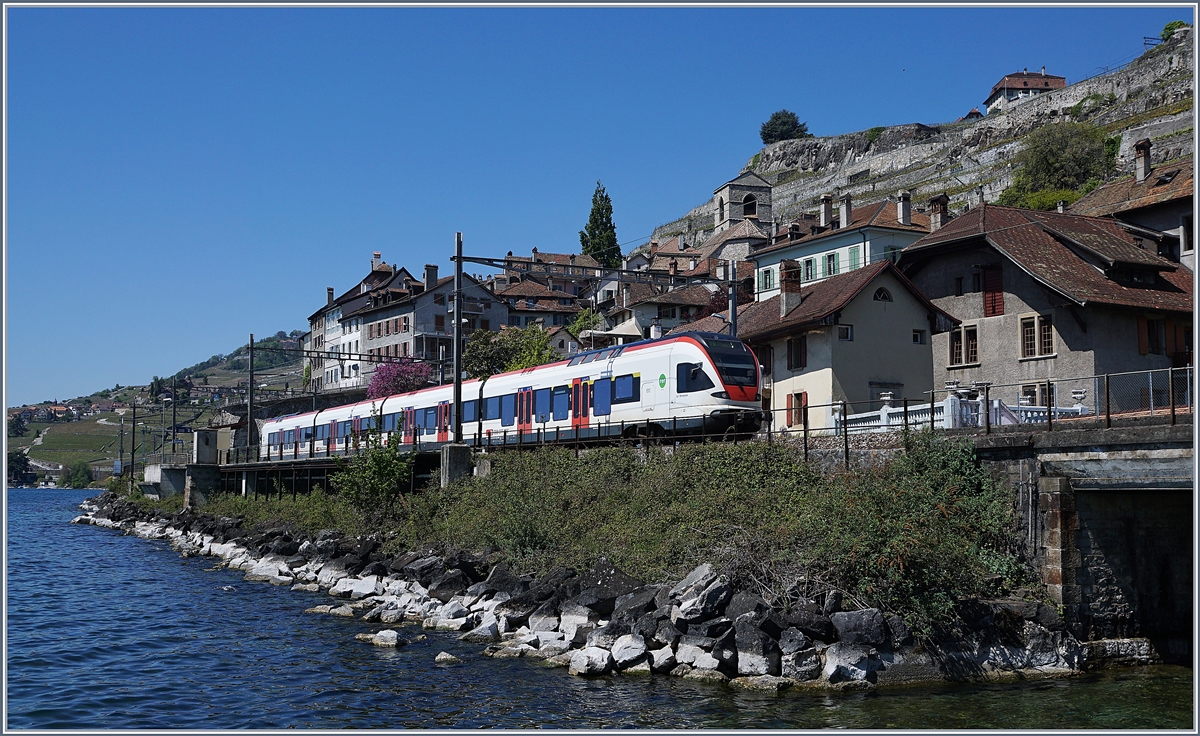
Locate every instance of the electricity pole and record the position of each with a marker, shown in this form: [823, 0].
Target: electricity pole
[732, 273]
[458, 317]
[250, 398]
[174, 424]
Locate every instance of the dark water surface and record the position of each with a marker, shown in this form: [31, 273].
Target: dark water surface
[109, 631]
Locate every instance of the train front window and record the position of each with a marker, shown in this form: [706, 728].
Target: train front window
[734, 362]
[691, 377]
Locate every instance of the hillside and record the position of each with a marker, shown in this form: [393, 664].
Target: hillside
[1151, 97]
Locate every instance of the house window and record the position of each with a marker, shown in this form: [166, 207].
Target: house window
[831, 264]
[958, 286]
[964, 346]
[766, 280]
[797, 353]
[808, 269]
[1152, 337]
[976, 282]
[918, 337]
[749, 206]
[514, 321]
[1037, 336]
[767, 355]
[439, 322]
[993, 292]
[439, 299]
[797, 409]
[882, 295]
[853, 257]
[485, 324]
[405, 324]
[845, 333]
[665, 312]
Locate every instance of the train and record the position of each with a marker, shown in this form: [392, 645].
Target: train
[692, 383]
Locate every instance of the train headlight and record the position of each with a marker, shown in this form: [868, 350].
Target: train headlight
[721, 394]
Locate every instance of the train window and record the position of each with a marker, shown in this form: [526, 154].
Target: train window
[691, 377]
[470, 410]
[576, 360]
[605, 354]
[588, 358]
[736, 368]
[322, 431]
[541, 405]
[626, 389]
[272, 438]
[389, 422]
[602, 397]
[431, 420]
[289, 436]
[306, 434]
[562, 402]
[491, 408]
[508, 410]
[344, 429]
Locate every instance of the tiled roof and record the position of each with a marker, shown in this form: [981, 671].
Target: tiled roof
[562, 259]
[819, 301]
[695, 295]
[1049, 246]
[743, 230]
[1167, 182]
[1029, 80]
[529, 287]
[877, 214]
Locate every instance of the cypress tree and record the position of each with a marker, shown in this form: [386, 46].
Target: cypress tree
[599, 238]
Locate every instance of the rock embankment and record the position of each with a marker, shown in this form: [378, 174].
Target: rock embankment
[604, 622]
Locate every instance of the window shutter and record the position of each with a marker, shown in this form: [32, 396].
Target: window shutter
[804, 408]
[789, 409]
[789, 362]
[1143, 337]
[804, 351]
[993, 292]
[1170, 330]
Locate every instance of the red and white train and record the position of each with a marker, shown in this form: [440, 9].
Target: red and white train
[690, 383]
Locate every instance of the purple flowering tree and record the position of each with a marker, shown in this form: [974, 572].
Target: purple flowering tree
[398, 378]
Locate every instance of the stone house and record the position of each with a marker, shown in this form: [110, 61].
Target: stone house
[831, 243]
[862, 337]
[1015, 88]
[531, 302]
[1047, 295]
[1159, 198]
[642, 311]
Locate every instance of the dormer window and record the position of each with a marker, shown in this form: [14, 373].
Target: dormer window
[882, 295]
[793, 231]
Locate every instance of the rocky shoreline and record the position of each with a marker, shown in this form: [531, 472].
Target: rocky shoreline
[603, 622]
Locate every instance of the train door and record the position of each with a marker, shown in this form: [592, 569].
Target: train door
[579, 403]
[331, 438]
[410, 423]
[525, 411]
[652, 389]
[443, 422]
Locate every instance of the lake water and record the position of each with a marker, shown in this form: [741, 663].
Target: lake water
[116, 632]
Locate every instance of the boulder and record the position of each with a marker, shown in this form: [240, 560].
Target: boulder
[606, 636]
[343, 610]
[813, 625]
[793, 640]
[804, 664]
[725, 652]
[559, 583]
[833, 602]
[696, 581]
[331, 572]
[296, 561]
[572, 616]
[590, 661]
[898, 631]
[425, 570]
[706, 675]
[545, 618]
[600, 588]
[452, 624]
[356, 588]
[762, 683]
[449, 584]
[388, 638]
[757, 652]
[307, 587]
[446, 658]
[666, 634]
[319, 609]
[453, 609]
[712, 628]
[501, 579]
[1047, 617]
[391, 615]
[866, 626]
[636, 603]
[376, 568]
[628, 650]
[846, 661]
[662, 660]
[488, 630]
[742, 603]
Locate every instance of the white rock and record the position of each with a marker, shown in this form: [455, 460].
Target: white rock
[453, 609]
[543, 621]
[306, 587]
[446, 658]
[627, 650]
[343, 610]
[453, 624]
[662, 660]
[845, 662]
[590, 661]
[386, 638]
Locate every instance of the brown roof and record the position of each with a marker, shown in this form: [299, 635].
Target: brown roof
[694, 295]
[819, 302]
[1167, 182]
[1061, 251]
[530, 287]
[744, 230]
[562, 259]
[1029, 80]
[877, 214]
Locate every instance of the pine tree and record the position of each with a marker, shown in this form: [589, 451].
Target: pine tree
[599, 238]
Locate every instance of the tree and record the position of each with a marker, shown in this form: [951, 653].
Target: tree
[718, 303]
[1170, 28]
[398, 378]
[513, 348]
[585, 320]
[599, 236]
[783, 126]
[17, 426]
[77, 475]
[530, 347]
[1056, 163]
[373, 482]
[18, 465]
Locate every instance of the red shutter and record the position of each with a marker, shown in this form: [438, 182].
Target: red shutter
[804, 351]
[1143, 337]
[789, 409]
[804, 408]
[993, 291]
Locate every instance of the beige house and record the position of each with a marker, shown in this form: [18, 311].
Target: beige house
[861, 337]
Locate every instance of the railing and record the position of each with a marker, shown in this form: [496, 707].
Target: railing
[167, 458]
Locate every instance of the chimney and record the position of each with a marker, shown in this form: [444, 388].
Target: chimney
[826, 210]
[979, 193]
[789, 286]
[939, 211]
[904, 207]
[375, 261]
[534, 254]
[431, 276]
[1062, 206]
[1043, 71]
[692, 267]
[653, 247]
[625, 294]
[328, 296]
[844, 210]
[1141, 157]
[673, 269]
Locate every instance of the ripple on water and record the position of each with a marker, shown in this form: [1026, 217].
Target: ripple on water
[109, 631]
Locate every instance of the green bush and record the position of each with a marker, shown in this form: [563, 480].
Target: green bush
[874, 133]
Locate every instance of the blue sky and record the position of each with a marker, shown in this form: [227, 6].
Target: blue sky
[181, 177]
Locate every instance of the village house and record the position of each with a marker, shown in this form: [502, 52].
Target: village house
[831, 243]
[1045, 295]
[1158, 198]
[643, 311]
[862, 337]
[1017, 87]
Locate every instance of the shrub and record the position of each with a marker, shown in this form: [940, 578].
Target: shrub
[373, 481]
